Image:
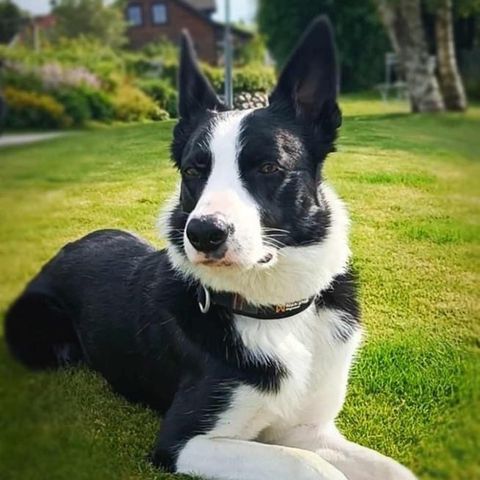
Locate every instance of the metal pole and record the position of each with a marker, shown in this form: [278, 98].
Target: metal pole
[36, 37]
[228, 57]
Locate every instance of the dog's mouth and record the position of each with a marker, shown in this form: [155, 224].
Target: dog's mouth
[266, 259]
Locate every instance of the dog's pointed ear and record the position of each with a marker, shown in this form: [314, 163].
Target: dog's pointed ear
[195, 94]
[309, 82]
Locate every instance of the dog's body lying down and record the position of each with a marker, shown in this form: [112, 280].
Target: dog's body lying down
[242, 332]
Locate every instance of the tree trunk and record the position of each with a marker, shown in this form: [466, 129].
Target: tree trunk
[403, 22]
[449, 76]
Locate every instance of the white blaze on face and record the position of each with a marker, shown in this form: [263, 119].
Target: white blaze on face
[225, 196]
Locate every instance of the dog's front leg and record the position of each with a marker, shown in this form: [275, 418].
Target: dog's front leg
[209, 431]
[229, 459]
[354, 461]
[361, 463]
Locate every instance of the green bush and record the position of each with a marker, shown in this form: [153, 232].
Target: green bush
[21, 80]
[101, 105]
[92, 55]
[33, 110]
[170, 72]
[83, 104]
[162, 92]
[137, 65]
[163, 50]
[252, 52]
[76, 105]
[215, 76]
[131, 104]
[253, 78]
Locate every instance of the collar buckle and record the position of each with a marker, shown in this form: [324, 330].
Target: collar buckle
[205, 307]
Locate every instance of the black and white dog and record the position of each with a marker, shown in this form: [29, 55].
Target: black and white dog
[242, 332]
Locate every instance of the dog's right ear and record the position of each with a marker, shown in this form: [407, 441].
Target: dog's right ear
[195, 94]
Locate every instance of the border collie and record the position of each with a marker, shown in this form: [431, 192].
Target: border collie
[242, 332]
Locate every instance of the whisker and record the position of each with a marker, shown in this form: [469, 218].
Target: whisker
[268, 229]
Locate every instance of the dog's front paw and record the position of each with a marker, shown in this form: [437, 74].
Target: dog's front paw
[161, 459]
[360, 463]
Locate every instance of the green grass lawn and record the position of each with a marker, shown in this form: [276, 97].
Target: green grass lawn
[412, 186]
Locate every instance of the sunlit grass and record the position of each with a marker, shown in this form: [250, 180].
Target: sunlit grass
[411, 184]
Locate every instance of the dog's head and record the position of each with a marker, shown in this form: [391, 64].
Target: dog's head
[250, 205]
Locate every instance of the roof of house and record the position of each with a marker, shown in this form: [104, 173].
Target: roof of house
[210, 5]
[45, 21]
[235, 30]
[193, 7]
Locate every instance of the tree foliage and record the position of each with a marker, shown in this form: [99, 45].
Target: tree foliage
[90, 18]
[361, 40]
[11, 20]
[252, 52]
[461, 8]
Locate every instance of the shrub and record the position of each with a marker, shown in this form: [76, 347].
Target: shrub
[253, 52]
[170, 72]
[21, 79]
[251, 79]
[131, 104]
[54, 75]
[92, 55]
[163, 50]
[101, 105]
[137, 65]
[83, 104]
[76, 105]
[162, 92]
[33, 110]
[215, 76]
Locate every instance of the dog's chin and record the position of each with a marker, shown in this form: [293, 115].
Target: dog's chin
[267, 260]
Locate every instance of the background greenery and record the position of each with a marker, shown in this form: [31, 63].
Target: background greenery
[76, 82]
[411, 183]
[361, 40]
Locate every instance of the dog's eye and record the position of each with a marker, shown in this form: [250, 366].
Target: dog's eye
[191, 172]
[268, 168]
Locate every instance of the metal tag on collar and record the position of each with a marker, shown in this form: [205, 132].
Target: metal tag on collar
[206, 306]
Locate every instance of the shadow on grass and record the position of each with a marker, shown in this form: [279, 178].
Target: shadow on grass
[426, 134]
[70, 425]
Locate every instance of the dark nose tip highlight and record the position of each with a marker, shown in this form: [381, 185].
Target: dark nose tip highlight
[207, 233]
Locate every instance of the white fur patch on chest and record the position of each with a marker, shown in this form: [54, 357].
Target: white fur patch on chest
[317, 367]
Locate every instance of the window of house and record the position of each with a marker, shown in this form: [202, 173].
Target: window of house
[134, 15]
[159, 13]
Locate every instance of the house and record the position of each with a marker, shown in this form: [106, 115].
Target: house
[153, 20]
[34, 30]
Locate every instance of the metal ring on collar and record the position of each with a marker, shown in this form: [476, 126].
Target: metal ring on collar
[206, 307]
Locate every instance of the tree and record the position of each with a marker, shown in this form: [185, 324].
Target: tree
[450, 80]
[90, 18]
[361, 39]
[11, 20]
[403, 22]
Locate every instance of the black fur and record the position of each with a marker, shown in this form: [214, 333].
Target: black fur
[342, 296]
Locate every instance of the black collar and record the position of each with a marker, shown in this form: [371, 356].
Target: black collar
[239, 305]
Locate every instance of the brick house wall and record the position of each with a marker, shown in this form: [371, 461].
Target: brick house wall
[179, 16]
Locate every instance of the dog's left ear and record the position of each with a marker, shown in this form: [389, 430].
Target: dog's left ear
[309, 82]
[195, 92]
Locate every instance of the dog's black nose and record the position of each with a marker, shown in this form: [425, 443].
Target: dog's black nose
[207, 233]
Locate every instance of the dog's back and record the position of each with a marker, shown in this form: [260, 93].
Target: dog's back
[83, 307]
